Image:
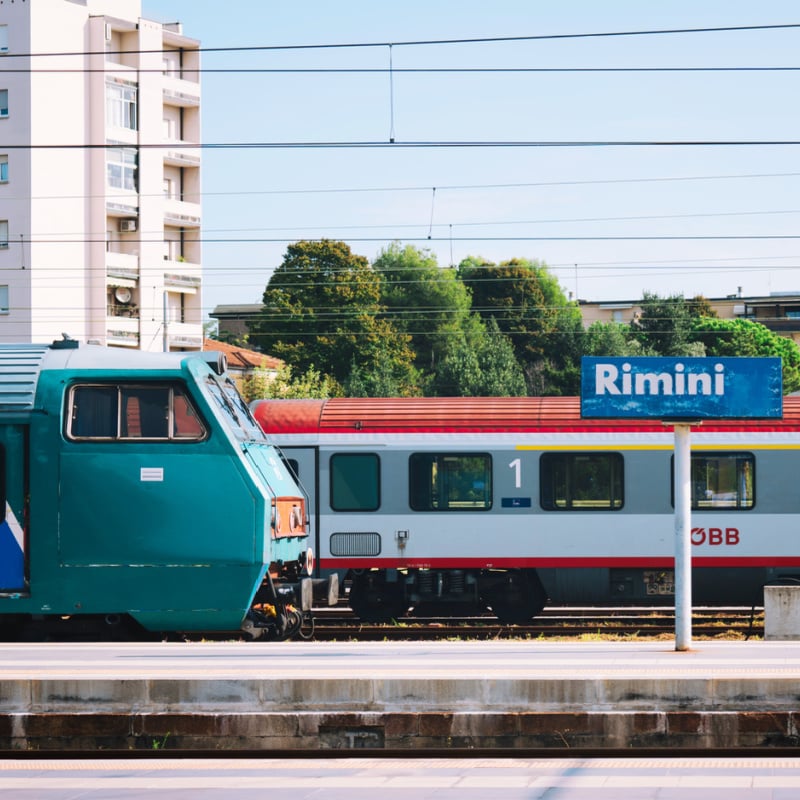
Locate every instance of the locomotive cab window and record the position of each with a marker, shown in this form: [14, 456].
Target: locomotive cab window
[111, 412]
[355, 482]
[722, 480]
[581, 481]
[234, 410]
[450, 481]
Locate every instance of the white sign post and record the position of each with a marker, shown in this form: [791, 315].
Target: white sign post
[677, 390]
[683, 537]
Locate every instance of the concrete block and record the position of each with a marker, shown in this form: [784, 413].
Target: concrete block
[781, 613]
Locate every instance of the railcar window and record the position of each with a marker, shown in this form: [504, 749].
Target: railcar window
[581, 481]
[355, 482]
[722, 480]
[112, 412]
[450, 481]
[293, 465]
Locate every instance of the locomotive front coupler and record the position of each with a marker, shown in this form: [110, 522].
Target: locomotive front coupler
[298, 594]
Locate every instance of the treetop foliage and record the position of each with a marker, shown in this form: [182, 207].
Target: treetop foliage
[406, 326]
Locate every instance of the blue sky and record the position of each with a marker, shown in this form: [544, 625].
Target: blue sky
[543, 203]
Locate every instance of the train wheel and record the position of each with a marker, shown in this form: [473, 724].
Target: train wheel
[516, 597]
[374, 599]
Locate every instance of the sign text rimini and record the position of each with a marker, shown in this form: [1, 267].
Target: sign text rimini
[681, 388]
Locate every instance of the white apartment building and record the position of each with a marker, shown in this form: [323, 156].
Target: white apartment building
[99, 176]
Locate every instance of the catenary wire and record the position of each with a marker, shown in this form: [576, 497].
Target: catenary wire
[441, 187]
[415, 70]
[437, 42]
[416, 144]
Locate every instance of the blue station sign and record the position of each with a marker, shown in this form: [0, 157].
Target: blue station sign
[681, 388]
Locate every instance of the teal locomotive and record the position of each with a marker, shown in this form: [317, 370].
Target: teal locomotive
[140, 495]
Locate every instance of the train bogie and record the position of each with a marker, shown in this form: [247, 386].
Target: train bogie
[506, 503]
[138, 488]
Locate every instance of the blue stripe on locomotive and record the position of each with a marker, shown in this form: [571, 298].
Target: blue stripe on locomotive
[12, 560]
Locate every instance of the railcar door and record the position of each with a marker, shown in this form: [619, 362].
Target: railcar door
[13, 511]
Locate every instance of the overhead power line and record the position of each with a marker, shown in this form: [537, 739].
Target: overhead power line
[446, 187]
[408, 70]
[428, 42]
[398, 144]
[291, 239]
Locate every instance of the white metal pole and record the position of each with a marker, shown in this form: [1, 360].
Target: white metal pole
[165, 342]
[683, 543]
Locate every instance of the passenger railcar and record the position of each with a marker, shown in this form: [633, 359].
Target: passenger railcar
[138, 489]
[506, 502]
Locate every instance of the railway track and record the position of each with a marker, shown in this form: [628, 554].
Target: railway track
[339, 623]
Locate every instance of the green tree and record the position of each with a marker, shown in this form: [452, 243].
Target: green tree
[743, 337]
[559, 371]
[487, 368]
[531, 309]
[321, 310]
[423, 300]
[385, 379]
[610, 339]
[286, 386]
[699, 306]
[664, 327]
[513, 294]
[211, 329]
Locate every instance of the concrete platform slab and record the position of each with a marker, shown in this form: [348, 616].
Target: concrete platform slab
[411, 696]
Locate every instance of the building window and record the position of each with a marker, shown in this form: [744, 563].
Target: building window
[4, 308]
[450, 481]
[3, 103]
[581, 481]
[355, 482]
[121, 168]
[121, 106]
[3, 234]
[3, 169]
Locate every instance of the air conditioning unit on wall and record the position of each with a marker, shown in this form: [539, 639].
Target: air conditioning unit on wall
[127, 225]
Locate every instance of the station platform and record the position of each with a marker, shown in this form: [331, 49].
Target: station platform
[350, 777]
[404, 696]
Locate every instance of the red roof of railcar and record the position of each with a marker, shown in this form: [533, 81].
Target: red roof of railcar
[454, 414]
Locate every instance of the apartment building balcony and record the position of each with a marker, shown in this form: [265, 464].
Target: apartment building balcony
[180, 92]
[181, 214]
[780, 315]
[182, 154]
[184, 335]
[122, 331]
[182, 276]
[115, 62]
[784, 324]
[120, 205]
[122, 266]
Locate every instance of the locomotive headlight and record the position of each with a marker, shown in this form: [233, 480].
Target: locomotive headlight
[307, 561]
[276, 517]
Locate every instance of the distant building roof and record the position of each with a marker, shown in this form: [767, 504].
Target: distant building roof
[236, 310]
[240, 359]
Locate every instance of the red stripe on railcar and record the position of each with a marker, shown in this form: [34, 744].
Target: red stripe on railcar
[666, 562]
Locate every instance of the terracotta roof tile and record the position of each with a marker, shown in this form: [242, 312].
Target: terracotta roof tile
[240, 358]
